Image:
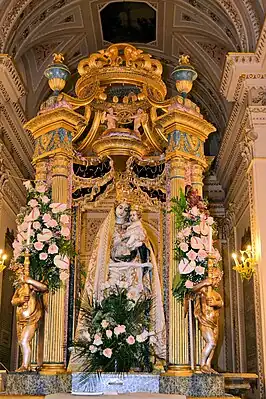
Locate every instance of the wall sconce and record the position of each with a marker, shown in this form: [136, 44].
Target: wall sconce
[247, 267]
[2, 260]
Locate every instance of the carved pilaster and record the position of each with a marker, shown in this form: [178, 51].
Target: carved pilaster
[247, 146]
[196, 177]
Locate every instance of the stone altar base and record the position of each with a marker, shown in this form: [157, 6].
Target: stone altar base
[207, 385]
[195, 385]
[36, 384]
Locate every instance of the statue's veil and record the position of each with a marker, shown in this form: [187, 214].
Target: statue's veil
[97, 274]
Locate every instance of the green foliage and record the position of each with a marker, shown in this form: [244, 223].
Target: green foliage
[178, 208]
[116, 309]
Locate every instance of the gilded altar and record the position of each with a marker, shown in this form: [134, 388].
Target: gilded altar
[118, 138]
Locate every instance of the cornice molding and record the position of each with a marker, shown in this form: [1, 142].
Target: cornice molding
[239, 64]
[17, 138]
[11, 79]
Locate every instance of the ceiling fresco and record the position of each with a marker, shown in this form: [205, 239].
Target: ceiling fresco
[31, 31]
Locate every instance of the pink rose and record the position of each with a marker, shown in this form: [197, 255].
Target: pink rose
[53, 249]
[93, 348]
[196, 229]
[24, 226]
[108, 352]
[186, 231]
[202, 254]
[65, 219]
[46, 217]
[21, 237]
[36, 225]
[97, 340]
[34, 214]
[16, 244]
[65, 231]
[63, 275]
[43, 256]
[204, 228]
[196, 243]
[189, 284]
[192, 255]
[194, 211]
[45, 199]
[45, 236]
[40, 188]
[105, 323]
[180, 236]
[199, 270]
[120, 329]
[109, 333]
[205, 241]
[62, 262]
[130, 340]
[183, 246]
[58, 207]
[52, 223]
[186, 267]
[33, 203]
[38, 245]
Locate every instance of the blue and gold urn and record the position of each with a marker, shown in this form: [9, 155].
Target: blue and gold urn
[57, 73]
[184, 75]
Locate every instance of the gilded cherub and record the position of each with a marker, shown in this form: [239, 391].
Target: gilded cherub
[30, 310]
[110, 118]
[207, 308]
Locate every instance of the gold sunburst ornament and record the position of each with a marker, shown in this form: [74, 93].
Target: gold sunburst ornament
[2, 260]
[247, 267]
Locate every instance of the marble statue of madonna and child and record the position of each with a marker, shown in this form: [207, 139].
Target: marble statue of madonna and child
[122, 252]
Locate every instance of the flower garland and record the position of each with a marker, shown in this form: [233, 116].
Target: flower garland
[193, 242]
[44, 231]
[115, 336]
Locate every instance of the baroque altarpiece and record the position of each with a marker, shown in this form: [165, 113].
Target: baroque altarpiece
[118, 139]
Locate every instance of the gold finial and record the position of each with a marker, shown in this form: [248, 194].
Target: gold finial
[58, 58]
[184, 59]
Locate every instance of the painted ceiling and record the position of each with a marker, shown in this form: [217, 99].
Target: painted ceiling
[32, 30]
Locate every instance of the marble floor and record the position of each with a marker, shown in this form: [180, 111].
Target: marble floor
[120, 396]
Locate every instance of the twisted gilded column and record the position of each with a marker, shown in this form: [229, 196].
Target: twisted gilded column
[53, 132]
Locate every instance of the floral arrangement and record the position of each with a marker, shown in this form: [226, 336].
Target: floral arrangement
[116, 336]
[44, 231]
[193, 242]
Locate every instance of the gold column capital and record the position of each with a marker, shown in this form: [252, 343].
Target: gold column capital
[55, 119]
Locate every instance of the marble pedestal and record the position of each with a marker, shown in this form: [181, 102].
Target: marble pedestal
[117, 383]
[208, 385]
[36, 384]
[199, 385]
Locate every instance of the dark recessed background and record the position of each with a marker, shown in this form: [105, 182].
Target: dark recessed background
[128, 22]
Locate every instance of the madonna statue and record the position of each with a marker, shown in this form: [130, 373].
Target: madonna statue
[122, 251]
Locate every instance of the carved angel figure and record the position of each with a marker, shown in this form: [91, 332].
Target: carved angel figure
[207, 308]
[110, 118]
